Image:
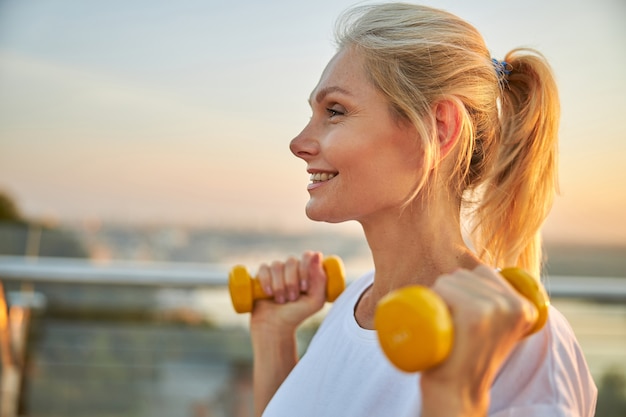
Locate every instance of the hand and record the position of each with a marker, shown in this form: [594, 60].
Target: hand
[489, 318]
[298, 287]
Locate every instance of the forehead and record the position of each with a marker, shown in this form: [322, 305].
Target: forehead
[343, 74]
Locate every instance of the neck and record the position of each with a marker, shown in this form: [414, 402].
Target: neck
[412, 247]
[403, 255]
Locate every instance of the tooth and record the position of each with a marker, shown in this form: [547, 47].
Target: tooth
[317, 177]
[324, 176]
[331, 176]
[312, 177]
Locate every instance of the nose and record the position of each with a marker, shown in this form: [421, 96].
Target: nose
[304, 145]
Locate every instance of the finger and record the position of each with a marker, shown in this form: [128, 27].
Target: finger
[486, 272]
[530, 315]
[521, 306]
[478, 281]
[471, 299]
[482, 284]
[483, 297]
[278, 281]
[304, 270]
[316, 275]
[292, 280]
[265, 279]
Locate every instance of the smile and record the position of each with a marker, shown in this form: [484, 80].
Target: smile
[322, 176]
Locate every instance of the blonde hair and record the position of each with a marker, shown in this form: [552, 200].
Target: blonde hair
[506, 166]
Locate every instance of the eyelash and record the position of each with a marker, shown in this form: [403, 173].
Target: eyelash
[333, 112]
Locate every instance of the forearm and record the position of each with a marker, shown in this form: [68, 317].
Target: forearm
[275, 355]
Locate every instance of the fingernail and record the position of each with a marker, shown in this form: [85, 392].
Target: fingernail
[304, 285]
[280, 299]
[267, 290]
[293, 296]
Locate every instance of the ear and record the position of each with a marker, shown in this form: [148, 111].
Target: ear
[448, 119]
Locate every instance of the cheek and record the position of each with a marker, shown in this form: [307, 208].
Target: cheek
[401, 177]
[376, 161]
[381, 183]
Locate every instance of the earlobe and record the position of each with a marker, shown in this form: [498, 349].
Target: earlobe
[448, 119]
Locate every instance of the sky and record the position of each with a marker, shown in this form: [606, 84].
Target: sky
[154, 111]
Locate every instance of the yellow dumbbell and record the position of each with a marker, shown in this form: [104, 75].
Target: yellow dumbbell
[415, 328]
[244, 289]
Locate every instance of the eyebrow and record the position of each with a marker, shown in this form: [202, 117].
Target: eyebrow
[326, 91]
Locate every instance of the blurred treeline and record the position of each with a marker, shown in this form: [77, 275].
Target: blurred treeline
[20, 236]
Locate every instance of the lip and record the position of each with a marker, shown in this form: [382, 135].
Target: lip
[314, 185]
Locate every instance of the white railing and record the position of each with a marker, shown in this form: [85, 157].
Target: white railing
[186, 275]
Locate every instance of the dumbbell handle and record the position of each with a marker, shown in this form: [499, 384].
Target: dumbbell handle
[415, 329]
[244, 289]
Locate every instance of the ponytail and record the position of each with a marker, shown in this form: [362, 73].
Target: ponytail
[504, 173]
[520, 190]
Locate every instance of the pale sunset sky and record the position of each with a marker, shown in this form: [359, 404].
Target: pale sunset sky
[180, 112]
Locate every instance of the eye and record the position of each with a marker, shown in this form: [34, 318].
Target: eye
[334, 112]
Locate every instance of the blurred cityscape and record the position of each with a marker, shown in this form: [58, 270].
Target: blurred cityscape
[112, 242]
[108, 242]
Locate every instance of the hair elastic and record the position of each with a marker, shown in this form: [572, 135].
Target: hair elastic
[501, 69]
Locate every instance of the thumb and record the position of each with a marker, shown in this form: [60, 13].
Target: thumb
[530, 314]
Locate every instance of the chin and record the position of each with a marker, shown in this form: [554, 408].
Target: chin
[320, 216]
[314, 216]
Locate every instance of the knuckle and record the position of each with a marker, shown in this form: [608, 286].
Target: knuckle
[514, 310]
[277, 277]
[518, 306]
[477, 320]
[276, 266]
[264, 272]
[292, 263]
[515, 306]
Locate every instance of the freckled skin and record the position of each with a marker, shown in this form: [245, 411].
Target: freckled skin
[353, 132]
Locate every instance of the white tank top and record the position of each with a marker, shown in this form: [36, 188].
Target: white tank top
[344, 373]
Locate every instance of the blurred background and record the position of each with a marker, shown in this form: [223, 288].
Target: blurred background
[144, 151]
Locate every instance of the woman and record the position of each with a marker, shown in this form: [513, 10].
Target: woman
[414, 126]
